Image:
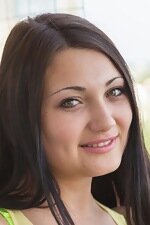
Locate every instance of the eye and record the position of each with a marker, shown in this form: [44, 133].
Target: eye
[116, 92]
[70, 102]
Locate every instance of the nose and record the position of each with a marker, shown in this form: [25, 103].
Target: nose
[101, 117]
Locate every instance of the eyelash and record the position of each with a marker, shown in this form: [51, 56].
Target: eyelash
[69, 100]
[64, 102]
[122, 90]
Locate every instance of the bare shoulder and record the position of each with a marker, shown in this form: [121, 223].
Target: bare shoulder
[39, 216]
[3, 221]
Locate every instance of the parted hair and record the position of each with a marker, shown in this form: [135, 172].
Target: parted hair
[25, 177]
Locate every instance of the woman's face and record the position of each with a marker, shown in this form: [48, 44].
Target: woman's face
[86, 114]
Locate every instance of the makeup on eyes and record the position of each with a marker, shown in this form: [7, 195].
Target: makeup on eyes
[81, 88]
[116, 91]
[70, 102]
[115, 88]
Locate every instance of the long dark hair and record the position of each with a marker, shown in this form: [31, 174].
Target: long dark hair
[25, 178]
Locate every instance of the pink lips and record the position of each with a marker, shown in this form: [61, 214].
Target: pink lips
[100, 146]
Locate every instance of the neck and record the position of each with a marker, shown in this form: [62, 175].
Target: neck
[76, 194]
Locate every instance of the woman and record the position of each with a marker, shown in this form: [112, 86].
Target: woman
[70, 136]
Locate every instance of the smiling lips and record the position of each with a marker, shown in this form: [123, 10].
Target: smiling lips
[101, 146]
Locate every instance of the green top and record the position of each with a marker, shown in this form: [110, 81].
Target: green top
[7, 216]
[16, 217]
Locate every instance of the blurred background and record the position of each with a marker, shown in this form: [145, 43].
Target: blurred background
[126, 22]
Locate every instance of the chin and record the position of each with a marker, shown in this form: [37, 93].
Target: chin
[108, 168]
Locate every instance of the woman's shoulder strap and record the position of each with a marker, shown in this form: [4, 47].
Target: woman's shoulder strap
[6, 215]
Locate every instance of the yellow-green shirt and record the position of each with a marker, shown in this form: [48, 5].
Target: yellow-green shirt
[16, 217]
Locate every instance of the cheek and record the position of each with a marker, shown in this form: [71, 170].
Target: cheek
[128, 118]
[59, 128]
[124, 118]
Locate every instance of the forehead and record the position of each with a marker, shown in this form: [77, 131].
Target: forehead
[78, 66]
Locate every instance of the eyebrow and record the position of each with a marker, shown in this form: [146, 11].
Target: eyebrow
[76, 88]
[81, 89]
[110, 81]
